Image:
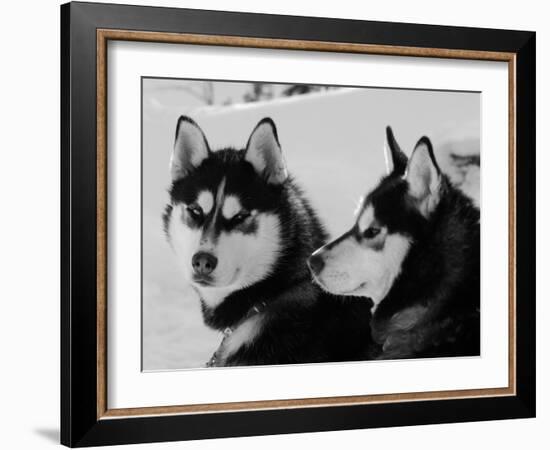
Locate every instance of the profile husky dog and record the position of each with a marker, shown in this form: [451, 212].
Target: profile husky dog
[242, 231]
[414, 251]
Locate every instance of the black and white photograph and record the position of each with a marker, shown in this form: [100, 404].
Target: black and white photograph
[276, 223]
[298, 224]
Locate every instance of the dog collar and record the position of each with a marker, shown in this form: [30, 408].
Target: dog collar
[215, 360]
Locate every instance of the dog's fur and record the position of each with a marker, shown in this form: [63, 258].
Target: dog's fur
[242, 213]
[414, 250]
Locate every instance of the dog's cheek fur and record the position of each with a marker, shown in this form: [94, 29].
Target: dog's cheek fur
[349, 265]
[246, 258]
[379, 268]
[184, 240]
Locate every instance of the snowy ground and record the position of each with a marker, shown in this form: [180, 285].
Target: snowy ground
[333, 146]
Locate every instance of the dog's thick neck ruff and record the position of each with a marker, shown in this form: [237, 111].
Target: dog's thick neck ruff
[432, 308]
[442, 263]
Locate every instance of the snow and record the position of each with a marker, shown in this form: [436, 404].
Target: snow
[333, 144]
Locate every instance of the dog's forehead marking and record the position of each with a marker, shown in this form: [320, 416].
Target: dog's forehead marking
[366, 217]
[220, 194]
[231, 206]
[206, 201]
[209, 235]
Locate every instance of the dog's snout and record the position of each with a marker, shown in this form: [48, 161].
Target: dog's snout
[316, 263]
[204, 263]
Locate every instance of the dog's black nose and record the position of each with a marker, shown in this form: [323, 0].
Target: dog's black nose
[204, 263]
[316, 263]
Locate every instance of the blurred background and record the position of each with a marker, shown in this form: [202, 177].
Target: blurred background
[332, 138]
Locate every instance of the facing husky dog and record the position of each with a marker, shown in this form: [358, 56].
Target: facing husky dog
[414, 251]
[242, 231]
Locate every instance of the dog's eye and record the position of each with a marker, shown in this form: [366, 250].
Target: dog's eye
[195, 212]
[240, 217]
[371, 232]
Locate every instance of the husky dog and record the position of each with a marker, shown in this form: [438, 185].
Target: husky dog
[242, 231]
[414, 251]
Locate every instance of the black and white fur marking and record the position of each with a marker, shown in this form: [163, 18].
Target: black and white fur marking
[414, 250]
[242, 231]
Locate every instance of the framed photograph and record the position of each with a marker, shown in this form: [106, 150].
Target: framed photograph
[276, 224]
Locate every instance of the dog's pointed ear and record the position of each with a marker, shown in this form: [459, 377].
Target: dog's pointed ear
[263, 151]
[424, 177]
[396, 160]
[190, 148]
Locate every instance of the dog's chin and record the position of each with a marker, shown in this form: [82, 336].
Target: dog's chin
[359, 291]
[213, 282]
[201, 282]
[356, 291]
[207, 284]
